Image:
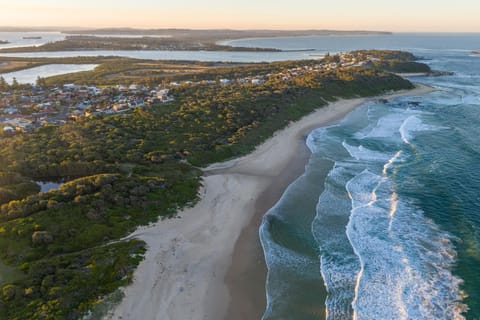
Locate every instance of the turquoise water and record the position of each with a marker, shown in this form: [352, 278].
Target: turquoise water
[387, 214]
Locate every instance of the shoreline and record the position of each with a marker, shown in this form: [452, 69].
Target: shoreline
[208, 263]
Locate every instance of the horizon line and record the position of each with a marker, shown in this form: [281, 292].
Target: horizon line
[79, 28]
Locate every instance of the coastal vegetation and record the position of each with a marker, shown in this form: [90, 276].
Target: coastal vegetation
[121, 171]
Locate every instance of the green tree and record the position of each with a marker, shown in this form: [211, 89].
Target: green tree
[40, 82]
[3, 84]
[15, 85]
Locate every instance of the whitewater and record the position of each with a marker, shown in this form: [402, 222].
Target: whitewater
[385, 222]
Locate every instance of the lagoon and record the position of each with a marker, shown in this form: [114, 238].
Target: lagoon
[212, 56]
[49, 70]
[46, 186]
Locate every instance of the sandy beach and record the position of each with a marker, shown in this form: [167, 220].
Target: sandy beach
[208, 262]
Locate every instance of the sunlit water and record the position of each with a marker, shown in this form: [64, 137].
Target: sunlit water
[31, 75]
[17, 39]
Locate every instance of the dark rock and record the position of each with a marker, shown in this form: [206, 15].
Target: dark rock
[440, 73]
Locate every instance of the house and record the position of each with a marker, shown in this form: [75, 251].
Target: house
[163, 94]
[121, 107]
[44, 105]
[8, 129]
[94, 90]
[258, 81]
[69, 86]
[20, 124]
[77, 115]
[134, 87]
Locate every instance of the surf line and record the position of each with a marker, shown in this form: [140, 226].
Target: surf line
[394, 197]
[391, 213]
[373, 199]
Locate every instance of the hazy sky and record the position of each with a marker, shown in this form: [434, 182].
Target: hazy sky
[401, 15]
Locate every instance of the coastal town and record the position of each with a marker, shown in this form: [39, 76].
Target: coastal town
[35, 106]
[25, 108]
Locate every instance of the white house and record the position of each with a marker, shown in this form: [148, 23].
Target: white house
[258, 81]
[8, 129]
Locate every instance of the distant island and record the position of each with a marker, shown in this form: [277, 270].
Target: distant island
[476, 52]
[32, 38]
[4, 42]
[170, 39]
[221, 34]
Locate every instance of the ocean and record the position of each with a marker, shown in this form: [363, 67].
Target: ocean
[385, 222]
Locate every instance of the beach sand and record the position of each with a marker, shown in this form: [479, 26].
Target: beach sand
[208, 262]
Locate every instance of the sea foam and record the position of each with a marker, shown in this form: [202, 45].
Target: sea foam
[397, 263]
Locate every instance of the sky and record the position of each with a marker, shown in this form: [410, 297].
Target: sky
[386, 15]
